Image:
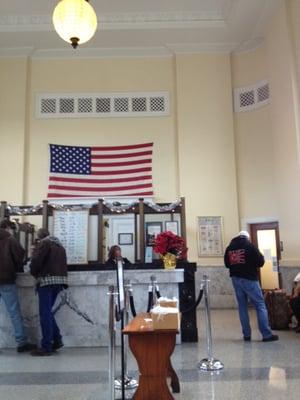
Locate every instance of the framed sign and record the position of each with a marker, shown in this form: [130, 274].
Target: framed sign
[152, 230]
[125, 239]
[172, 226]
[71, 228]
[210, 236]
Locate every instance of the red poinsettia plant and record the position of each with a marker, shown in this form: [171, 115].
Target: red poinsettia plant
[168, 242]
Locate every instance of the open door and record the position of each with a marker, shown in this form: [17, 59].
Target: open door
[266, 237]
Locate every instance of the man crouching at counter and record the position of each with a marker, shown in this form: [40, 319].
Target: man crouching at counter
[49, 268]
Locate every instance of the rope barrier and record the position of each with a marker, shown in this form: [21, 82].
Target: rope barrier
[132, 306]
[195, 306]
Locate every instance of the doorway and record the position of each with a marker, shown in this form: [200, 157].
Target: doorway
[266, 237]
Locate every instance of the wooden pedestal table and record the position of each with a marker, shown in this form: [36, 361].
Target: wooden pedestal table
[152, 350]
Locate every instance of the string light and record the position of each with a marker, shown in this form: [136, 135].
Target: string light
[124, 208]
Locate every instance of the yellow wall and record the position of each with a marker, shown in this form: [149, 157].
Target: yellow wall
[12, 127]
[242, 166]
[284, 109]
[254, 143]
[193, 147]
[113, 75]
[206, 143]
[267, 139]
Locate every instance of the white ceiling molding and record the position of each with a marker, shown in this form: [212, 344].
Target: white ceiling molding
[131, 52]
[147, 20]
[249, 45]
[134, 52]
[194, 48]
[156, 29]
[124, 52]
[16, 52]
[25, 23]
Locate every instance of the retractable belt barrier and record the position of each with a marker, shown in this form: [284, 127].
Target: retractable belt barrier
[153, 293]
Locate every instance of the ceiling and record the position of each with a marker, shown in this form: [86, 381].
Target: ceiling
[157, 26]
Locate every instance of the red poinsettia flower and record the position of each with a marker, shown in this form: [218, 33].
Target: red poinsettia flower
[168, 242]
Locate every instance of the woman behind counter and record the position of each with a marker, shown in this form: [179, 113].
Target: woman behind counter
[115, 255]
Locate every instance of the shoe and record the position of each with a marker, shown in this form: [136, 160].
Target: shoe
[57, 345]
[247, 338]
[272, 338]
[41, 353]
[26, 348]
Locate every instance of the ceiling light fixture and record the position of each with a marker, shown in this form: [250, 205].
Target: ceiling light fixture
[75, 21]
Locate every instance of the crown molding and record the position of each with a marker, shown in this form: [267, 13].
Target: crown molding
[83, 53]
[148, 20]
[249, 45]
[156, 20]
[228, 8]
[135, 52]
[25, 23]
[125, 52]
[16, 52]
[194, 48]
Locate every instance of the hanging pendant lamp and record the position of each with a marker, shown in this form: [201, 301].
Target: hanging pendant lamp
[75, 21]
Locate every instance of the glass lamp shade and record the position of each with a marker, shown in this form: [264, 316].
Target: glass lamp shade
[75, 21]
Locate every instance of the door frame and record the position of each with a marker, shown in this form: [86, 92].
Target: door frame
[265, 226]
[254, 227]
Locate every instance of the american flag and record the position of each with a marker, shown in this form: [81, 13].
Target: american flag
[100, 171]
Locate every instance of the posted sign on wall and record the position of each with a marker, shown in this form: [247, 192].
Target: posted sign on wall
[71, 228]
[210, 233]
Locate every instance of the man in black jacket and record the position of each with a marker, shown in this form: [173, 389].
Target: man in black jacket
[49, 267]
[243, 260]
[11, 262]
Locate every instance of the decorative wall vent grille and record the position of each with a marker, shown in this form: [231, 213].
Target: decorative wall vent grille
[252, 97]
[78, 105]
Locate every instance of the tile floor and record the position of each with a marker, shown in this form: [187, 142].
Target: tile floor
[253, 370]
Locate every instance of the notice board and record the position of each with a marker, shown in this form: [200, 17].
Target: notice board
[71, 228]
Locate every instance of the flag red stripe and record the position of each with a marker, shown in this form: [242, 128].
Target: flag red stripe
[59, 195]
[122, 164]
[100, 189]
[120, 172]
[133, 179]
[125, 155]
[114, 171]
[131, 147]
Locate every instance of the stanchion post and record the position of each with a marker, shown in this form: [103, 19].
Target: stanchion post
[100, 231]
[112, 341]
[142, 229]
[210, 363]
[129, 382]
[45, 213]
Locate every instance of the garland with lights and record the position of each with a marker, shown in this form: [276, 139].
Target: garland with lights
[113, 207]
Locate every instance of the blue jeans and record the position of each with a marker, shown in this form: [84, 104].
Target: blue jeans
[9, 295]
[50, 331]
[246, 289]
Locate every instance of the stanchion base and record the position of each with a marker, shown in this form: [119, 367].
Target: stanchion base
[130, 383]
[210, 364]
